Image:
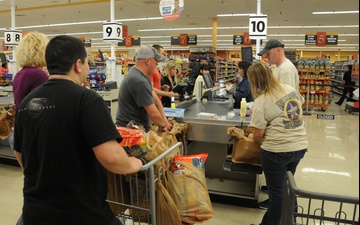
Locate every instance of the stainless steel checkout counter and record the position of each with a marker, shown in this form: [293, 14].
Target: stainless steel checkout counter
[209, 121]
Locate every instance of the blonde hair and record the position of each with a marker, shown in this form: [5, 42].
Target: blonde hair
[167, 72]
[31, 50]
[262, 81]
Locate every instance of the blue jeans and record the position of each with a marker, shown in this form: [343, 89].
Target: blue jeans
[275, 166]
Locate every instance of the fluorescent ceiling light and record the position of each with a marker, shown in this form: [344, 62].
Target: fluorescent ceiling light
[233, 14]
[224, 28]
[336, 12]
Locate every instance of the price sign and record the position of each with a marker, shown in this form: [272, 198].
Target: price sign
[258, 27]
[112, 32]
[12, 37]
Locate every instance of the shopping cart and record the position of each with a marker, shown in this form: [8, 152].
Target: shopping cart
[339, 209]
[132, 197]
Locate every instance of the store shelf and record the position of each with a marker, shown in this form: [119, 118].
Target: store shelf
[315, 83]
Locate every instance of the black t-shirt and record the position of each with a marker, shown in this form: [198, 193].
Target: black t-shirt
[56, 127]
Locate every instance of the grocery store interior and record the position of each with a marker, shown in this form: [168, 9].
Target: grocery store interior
[217, 31]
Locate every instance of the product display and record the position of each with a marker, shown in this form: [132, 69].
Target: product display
[315, 84]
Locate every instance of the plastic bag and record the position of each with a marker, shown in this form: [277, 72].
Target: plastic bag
[133, 141]
[198, 160]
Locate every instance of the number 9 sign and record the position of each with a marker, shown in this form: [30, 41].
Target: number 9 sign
[112, 31]
[12, 37]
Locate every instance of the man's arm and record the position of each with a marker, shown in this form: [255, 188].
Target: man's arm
[160, 107]
[114, 158]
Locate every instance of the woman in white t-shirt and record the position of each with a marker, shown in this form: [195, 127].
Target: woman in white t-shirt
[277, 118]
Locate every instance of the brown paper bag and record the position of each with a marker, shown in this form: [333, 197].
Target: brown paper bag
[157, 143]
[166, 211]
[244, 150]
[7, 117]
[190, 194]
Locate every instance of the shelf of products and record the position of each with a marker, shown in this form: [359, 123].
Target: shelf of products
[225, 70]
[315, 82]
[319, 88]
[5, 79]
[97, 76]
[337, 71]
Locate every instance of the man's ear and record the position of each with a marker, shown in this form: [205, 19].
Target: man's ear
[77, 67]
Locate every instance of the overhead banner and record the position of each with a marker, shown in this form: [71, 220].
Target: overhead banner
[192, 39]
[184, 39]
[331, 39]
[321, 39]
[244, 39]
[171, 9]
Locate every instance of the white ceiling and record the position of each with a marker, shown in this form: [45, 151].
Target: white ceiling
[196, 14]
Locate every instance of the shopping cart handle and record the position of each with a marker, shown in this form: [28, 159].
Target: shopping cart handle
[316, 195]
[161, 156]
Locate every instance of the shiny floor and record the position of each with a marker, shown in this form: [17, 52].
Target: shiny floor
[331, 166]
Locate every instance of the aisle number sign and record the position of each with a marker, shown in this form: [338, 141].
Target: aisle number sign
[12, 37]
[112, 31]
[258, 27]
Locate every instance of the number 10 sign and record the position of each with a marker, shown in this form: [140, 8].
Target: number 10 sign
[258, 27]
[112, 31]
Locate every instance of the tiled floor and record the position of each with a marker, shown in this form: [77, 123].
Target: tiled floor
[330, 166]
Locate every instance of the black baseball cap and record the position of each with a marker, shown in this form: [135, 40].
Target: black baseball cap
[272, 43]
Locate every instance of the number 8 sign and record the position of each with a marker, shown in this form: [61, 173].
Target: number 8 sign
[12, 37]
[258, 27]
[112, 32]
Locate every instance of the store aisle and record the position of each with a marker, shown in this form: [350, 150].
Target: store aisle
[330, 166]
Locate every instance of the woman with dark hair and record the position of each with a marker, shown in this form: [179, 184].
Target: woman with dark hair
[242, 89]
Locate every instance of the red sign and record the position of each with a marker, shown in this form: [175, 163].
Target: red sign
[247, 41]
[124, 31]
[320, 38]
[183, 39]
[4, 47]
[128, 41]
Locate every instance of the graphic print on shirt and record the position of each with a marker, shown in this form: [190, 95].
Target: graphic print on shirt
[291, 106]
[36, 106]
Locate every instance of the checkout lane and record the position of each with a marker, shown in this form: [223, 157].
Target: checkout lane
[209, 121]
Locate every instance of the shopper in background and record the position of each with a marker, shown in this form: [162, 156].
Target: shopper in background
[347, 85]
[65, 141]
[4, 69]
[169, 79]
[31, 58]
[242, 88]
[155, 78]
[137, 100]
[285, 70]
[279, 128]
